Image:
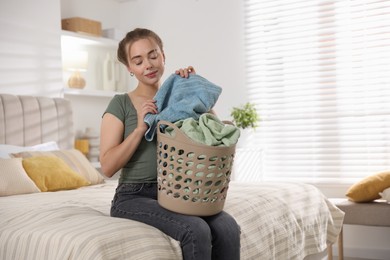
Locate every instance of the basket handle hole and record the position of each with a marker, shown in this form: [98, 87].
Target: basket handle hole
[218, 183]
[210, 175]
[209, 183]
[198, 182]
[201, 157]
[189, 163]
[213, 158]
[212, 167]
[199, 174]
[195, 199]
[200, 166]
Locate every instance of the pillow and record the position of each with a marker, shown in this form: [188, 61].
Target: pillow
[51, 173]
[13, 178]
[6, 149]
[368, 188]
[74, 158]
[385, 195]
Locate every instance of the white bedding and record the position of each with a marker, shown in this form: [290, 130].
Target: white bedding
[278, 221]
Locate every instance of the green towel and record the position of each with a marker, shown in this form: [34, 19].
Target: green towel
[208, 130]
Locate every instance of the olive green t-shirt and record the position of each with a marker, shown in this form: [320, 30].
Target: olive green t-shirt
[142, 167]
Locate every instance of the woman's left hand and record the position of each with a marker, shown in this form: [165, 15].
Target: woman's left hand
[184, 73]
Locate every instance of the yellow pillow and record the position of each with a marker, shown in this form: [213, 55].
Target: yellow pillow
[368, 188]
[51, 173]
[72, 157]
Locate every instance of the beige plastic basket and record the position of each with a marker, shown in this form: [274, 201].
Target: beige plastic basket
[193, 178]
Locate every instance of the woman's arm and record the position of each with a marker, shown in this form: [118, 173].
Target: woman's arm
[115, 153]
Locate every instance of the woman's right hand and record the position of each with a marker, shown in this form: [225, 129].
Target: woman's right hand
[148, 107]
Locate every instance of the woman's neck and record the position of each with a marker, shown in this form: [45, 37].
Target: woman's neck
[146, 90]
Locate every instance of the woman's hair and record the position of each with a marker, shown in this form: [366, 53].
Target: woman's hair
[130, 38]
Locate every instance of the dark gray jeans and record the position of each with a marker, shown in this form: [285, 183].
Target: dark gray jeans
[213, 237]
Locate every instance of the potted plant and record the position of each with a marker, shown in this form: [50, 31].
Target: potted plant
[245, 116]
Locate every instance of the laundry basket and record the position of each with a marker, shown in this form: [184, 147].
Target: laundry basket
[193, 178]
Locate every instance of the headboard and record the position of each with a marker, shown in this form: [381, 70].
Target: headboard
[29, 120]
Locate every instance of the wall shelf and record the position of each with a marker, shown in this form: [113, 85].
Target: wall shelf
[89, 92]
[72, 38]
[97, 49]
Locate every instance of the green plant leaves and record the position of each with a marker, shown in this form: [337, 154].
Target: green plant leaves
[245, 116]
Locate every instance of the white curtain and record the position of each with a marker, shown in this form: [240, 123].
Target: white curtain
[319, 74]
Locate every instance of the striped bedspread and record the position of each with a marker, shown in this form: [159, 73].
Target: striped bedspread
[278, 221]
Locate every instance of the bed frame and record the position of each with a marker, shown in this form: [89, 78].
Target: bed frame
[28, 120]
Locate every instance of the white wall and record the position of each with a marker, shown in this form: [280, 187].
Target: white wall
[30, 50]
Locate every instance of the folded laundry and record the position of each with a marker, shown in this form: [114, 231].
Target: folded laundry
[207, 130]
[180, 98]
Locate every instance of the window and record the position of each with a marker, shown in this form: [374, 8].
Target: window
[319, 74]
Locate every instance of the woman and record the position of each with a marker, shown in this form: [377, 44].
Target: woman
[123, 146]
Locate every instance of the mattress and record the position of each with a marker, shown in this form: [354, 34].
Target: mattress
[277, 220]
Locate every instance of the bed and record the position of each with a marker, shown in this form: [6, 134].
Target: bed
[277, 220]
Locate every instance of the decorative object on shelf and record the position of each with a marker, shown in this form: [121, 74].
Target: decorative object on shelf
[76, 62]
[82, 145]
[82, 25]
[245, 116]
[93, 138]
[109, 73]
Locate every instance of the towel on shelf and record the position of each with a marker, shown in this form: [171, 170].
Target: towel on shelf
[180, 98]
[208, 130]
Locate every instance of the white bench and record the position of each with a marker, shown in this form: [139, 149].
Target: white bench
[376, 213]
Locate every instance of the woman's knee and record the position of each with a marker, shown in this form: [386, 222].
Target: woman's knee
[225, 224]
[199, 229]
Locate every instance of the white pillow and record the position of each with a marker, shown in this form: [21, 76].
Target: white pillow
[6, 149]
[385, 195]
[14, 179]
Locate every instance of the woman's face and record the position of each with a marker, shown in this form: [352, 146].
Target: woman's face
[146, 61]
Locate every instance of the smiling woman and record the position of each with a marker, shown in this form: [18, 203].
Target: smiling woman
[124, 146]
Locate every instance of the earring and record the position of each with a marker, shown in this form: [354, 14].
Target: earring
[132, 74]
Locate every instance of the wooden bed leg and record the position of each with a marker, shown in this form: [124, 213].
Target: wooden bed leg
[341, 245]
[330, 252]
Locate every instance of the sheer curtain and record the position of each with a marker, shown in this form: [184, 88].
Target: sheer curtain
[319, 74]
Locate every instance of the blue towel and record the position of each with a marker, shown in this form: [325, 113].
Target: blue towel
[180, 98]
